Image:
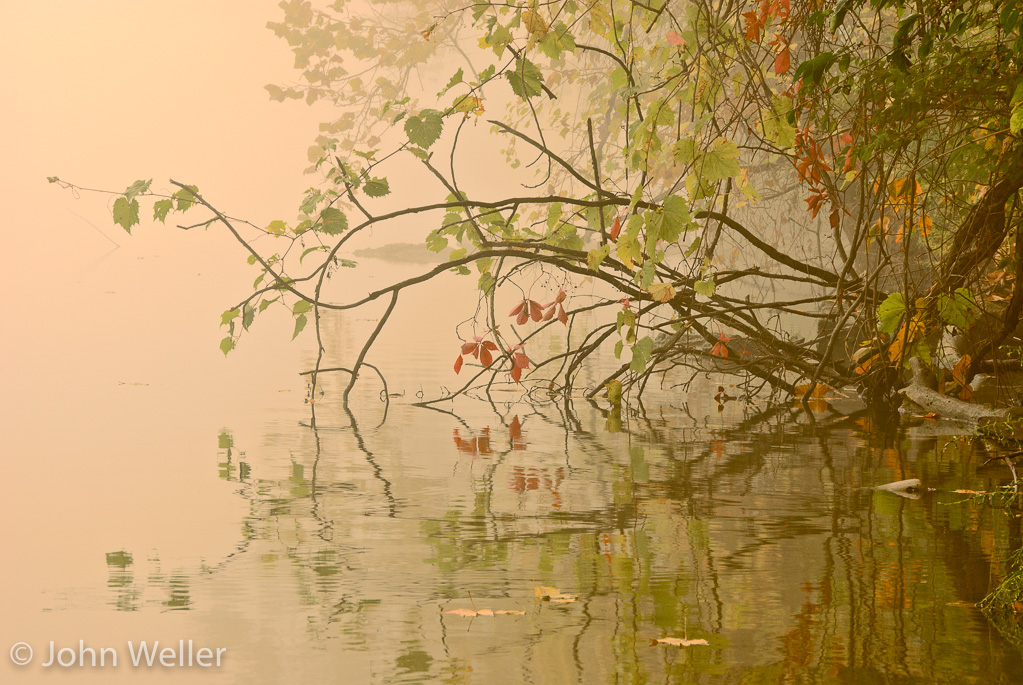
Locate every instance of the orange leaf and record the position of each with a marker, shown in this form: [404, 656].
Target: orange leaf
[819, 391]
[960, 369]
[616, 229]
[781, 62]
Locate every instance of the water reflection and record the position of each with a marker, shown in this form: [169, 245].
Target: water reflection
[758, 532]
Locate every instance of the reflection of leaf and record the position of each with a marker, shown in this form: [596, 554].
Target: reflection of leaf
[677, 642]
[472, 613]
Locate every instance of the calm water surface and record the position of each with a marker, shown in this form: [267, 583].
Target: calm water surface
[184, 496]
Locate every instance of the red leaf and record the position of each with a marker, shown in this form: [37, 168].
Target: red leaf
[487, 345]
[523, 317]
[468, 347]
[781, 62]
[550, 313]
[675, 38]
[562, 316]
[517, 309]
[752, 26]
[535, 310]
[616, 229]
[458, 364]
[485, 357]
[561, 296]
[719, 350]
[521, 360]
[516, 373]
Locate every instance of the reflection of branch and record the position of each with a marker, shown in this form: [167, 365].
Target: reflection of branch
[377, 471]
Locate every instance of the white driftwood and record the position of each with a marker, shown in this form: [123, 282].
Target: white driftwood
[901, 485]
[949, 407]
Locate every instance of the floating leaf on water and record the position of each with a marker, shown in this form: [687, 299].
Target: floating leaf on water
[468, 613]
[677, 642]
[552, 594]
[472, 613]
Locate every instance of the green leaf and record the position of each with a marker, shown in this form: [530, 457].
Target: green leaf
[553, 214]
[435, 242]
[685, 151]
[333, 221]
[226, 345]
[841, 9]
[486, 282]
[487, 73]
[677, 219]
[706, 288]
[629, 250]
[137, 188]
[228, 315]
[185, 198]
[425, 128]
[318, 248]
[958, 309]
[645, 276]
[693, 247]
[300, 323]
[126, 213]
[301, 307]
[619, 346]
[891, 312]
[777, 128]
[557, 41]
[248, 315]
[641, 352]
[277, 227]
[721, 161]
[1016, 121]
[161, 208]
[377, 187]
[596, 256]
[266, 303]
[525, 79]
[455, 80]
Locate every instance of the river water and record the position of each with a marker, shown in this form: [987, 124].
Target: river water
[156, 491]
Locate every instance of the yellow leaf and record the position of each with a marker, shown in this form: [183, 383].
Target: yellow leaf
[552, 594]
[276, 227]
[818, 392]
[676, 642]
[662, 292]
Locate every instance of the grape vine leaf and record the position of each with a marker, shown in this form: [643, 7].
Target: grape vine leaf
[424, 128]
[126, 212]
